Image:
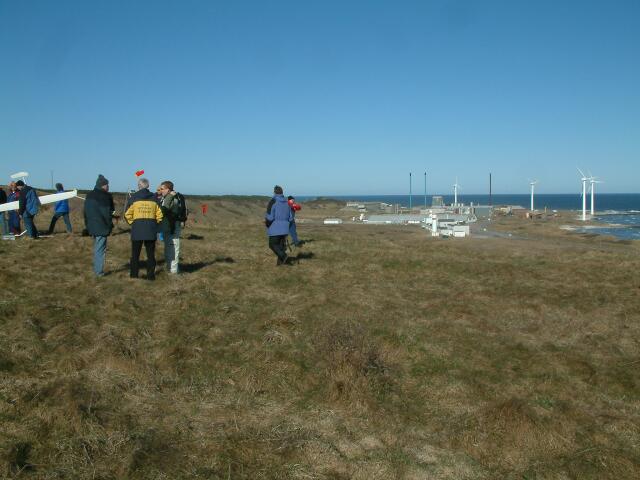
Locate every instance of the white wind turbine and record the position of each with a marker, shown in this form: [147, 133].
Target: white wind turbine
[592, 183]
[584, 195]
[455, 193]
[533, 184]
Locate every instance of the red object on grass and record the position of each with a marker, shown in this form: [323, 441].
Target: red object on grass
[139, 172]
[204, 208]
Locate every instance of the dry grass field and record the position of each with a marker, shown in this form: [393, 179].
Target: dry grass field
[382, 354]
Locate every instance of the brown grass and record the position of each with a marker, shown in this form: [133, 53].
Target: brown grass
[384, 354]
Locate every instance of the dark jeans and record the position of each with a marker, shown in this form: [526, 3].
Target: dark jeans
[293, 232]
[29, 225]
[136, 248]
[55, 218]
[278, 244]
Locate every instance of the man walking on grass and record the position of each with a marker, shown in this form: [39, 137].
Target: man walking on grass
[278, 220]
[143, 214]
[61, 209]
[98, 215]
[28, 207]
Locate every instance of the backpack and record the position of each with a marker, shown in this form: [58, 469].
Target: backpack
[33, 202]
[183, 212]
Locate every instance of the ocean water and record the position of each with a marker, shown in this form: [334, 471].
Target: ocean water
[619, 213]
[626, 227]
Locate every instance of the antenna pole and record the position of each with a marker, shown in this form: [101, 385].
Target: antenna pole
[425, 190]
[490, 196]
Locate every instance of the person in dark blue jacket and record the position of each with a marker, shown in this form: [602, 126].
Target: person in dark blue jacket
[99, 212]
[28, 207]
[61, 210]
[278, 220]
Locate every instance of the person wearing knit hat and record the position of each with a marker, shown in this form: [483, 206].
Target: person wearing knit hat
[98, 213]
[101, 182]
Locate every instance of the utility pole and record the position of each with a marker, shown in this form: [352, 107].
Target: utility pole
[490, 196]
[425, 190]
[410, 193]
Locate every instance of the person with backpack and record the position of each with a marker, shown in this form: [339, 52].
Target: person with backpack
[293, 232]
[278, 220]
[28, 207]
[99, 211]
[144, 215]
[174, 213]
[61, 210]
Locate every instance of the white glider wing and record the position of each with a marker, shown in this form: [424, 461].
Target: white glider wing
[53, 197]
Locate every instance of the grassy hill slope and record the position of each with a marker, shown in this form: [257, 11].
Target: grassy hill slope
[382, 354]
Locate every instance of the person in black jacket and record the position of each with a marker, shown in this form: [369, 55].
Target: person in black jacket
[98, 213]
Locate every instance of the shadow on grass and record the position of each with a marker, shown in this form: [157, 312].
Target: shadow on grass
[302, 256]
[184, 267]
[193, 236]
[194, 267]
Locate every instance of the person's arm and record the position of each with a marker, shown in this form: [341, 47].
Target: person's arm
[270, 204]
[87, 205]
[158, 214]
[269, 217]
[128, 215]
[105, 214]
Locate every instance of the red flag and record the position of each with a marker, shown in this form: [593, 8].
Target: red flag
[139, 173]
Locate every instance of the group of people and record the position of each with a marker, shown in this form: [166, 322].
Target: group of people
[11, 219]
[280, 221]
[148, 216]
[28, 207]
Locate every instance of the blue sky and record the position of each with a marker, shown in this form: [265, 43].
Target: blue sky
[323, 97]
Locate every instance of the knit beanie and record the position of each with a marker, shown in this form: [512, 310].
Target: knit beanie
[101, 182]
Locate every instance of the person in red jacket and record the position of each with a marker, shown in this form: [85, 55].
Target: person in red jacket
[293, 233]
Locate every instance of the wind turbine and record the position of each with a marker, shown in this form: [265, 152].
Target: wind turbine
[455, 193]
[533, 184]
[584, 195]
[592, 181]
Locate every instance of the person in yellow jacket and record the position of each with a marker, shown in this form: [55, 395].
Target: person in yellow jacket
[144, 215]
